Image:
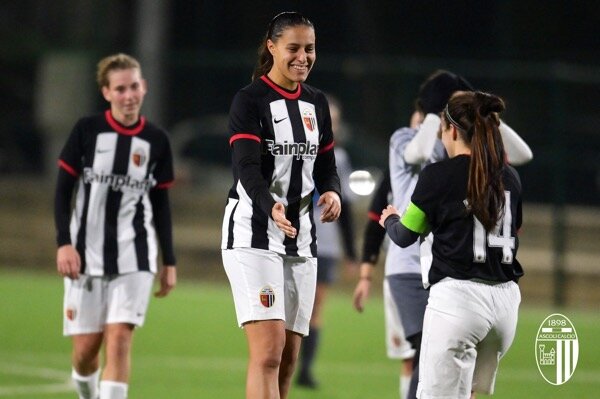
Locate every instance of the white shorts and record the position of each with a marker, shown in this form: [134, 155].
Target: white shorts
[91, 302]
[468, 327]
[397, 345]
[271, 286]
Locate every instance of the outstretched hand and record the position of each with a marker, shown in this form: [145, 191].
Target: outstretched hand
[332, 206]
[278, 215]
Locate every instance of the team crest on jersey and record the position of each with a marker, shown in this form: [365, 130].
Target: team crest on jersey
[309, 119]
[267, 296]
[70, 313]
[139, 157]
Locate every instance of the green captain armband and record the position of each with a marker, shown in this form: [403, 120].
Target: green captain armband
[414, 219]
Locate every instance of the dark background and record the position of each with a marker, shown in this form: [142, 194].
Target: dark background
[543, 57]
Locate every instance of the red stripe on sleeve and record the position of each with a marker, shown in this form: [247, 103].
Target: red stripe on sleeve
[68, 168]
[239, 136]
[167, 184]
[327, 148]
[374, 216]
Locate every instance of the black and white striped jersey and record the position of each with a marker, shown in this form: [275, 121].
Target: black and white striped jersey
[282, 147]
[112, 224]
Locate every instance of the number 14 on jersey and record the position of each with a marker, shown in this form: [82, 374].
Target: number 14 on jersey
[500, 237]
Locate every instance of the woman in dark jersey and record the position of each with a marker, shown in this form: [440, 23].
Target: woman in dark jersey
[471, 206]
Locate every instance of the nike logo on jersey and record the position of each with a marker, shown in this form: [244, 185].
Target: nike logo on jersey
[100, 151]
[279, 120]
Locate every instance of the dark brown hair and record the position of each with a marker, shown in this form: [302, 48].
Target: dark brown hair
[278, 24]
[475, 115]
[435, 91]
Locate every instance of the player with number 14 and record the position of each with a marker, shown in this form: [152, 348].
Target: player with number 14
[469, 209]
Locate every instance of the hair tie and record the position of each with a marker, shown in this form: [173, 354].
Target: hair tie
[451, 120]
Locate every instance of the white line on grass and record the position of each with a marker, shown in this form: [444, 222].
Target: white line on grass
[33, 371]
[36, 389]
[527, 375]
[63, 384]
[591, 376]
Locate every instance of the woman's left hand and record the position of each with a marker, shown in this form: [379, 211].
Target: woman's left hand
[332, 206]
[167, 279]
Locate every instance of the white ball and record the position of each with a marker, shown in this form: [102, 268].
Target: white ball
[362, 182]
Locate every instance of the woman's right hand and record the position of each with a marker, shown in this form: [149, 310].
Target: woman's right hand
[68, 262]
[278, 215]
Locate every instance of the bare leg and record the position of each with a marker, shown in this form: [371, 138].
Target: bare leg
[86, 348]
[320, 296]
[118, 352]
[288, 361]
[85, 360]
[266, 342]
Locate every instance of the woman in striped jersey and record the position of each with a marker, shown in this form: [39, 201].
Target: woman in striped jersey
[282, 150]
[121, 166]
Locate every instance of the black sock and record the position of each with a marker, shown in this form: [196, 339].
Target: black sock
[308, 351]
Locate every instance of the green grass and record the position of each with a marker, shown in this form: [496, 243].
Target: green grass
[190, 347]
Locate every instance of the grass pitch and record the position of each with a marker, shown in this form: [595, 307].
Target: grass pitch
[190, 347]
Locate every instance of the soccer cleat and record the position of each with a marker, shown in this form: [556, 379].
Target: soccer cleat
[307, 381]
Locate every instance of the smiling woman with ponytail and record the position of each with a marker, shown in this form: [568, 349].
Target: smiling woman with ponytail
[277, 26]
[269, 245]
[468, 211]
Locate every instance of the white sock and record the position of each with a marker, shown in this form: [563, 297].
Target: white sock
[404, 385]
[86, 386]
[113, 390]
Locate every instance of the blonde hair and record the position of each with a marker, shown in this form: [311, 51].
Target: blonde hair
[114, 62]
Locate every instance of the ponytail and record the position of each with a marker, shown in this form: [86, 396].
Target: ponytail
[278, 24]
[478, 112]
[265, 60]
